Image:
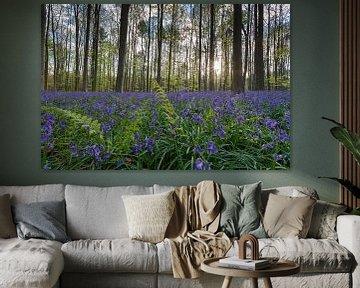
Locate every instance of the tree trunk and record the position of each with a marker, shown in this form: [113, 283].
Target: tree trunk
[160, 41]
[77, 46]
[148, 52]
[275, 49]
[247, 37]
[200, 44]
[46, 64]
[259, 47]
[54, 46]
[212, 47]
[86, 48]
[95, 47]
[171, 44]
[237, 51]
[268, 50]
[122, 46]
[43, 31]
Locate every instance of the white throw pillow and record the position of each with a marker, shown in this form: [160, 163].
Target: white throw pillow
[149, 215]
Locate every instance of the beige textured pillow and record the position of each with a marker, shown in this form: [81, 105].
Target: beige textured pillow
[7, 226]
[288, 217]
[149, 215]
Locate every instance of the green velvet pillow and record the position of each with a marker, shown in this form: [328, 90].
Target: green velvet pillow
[240, 213]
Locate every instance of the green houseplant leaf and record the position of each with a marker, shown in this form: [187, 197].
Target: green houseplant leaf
[348, 138]
[351, 141]
[347, 184]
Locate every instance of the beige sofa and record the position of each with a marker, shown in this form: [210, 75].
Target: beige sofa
[101, 254]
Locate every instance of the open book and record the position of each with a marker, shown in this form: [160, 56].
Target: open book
[236, 262]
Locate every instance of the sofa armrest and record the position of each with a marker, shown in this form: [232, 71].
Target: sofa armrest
[348, 230]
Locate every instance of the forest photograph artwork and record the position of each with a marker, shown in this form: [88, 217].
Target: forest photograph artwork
[165, 86]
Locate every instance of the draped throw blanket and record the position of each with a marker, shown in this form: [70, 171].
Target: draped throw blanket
[191, 231]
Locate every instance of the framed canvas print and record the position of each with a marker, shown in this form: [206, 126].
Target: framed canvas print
[165, 86]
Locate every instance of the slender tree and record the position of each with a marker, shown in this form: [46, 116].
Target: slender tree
[95, 47]
[259, 47]
[268, 48]
[148, 62]
[237, 51]
[46, 60]
[160, 41]
[200, 44]
[43, 31]
[53, 31]
[212, 47]
[86, 48]
[77, 46]
[171, 45]
[122, 46]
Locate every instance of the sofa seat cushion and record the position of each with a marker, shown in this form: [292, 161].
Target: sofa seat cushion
[30, 263]
[110, 255]
[313, 255]
[98, 212]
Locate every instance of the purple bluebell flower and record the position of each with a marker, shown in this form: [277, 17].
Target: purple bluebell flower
[219, 131]
[240, 119]
[136, 149]
[73, 150]
[282, 136]
[198, 149]
[211, 148]
[267, 146]
[185, 112]
[201, 165]
[270, 123]
[197, 118]
[105, 128]
[149, 143]
[137, 136]
[47, 165]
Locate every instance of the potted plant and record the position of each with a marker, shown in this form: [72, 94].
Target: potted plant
[351, 141]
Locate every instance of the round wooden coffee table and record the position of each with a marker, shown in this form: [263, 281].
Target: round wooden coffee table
[281, 268]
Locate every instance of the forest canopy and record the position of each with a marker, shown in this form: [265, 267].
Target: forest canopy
[193, 47]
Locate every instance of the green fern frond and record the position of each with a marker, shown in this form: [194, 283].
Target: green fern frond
[164, 107]
[76, 121]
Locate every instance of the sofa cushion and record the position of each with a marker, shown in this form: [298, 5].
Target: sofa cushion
[30, 263]
[7, 226]
[149, 215]
[287, 216]
[43, 220]
[291, 191]
[313, 255]
[116, 255]
[240, 212]
[98, 213]
[35, 193]
[323, 222]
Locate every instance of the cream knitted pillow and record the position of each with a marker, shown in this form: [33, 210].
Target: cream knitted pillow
[149, 215]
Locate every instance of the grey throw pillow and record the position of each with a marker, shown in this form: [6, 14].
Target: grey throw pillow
[7, 227]
[44, 220]
[323, 222]
[240, 213]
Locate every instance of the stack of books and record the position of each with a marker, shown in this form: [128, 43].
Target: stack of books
[248, 264]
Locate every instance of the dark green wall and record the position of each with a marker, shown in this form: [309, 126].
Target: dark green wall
[314, 94]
